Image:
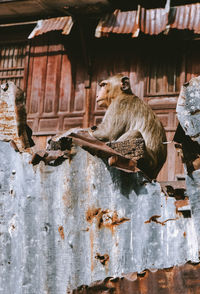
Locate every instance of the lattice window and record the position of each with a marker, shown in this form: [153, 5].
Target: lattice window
[12, 59]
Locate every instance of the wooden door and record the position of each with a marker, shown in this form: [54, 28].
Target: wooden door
[55, 90]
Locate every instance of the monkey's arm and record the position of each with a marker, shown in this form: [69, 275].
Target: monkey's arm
[111, 127]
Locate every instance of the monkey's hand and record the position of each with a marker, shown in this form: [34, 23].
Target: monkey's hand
[91, 130]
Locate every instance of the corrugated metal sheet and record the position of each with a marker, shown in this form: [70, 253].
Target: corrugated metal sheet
[149, 21]
[119, 23]
[153, 21]
[74, 224]
[63, 24]
[187, 17]
[13, 116]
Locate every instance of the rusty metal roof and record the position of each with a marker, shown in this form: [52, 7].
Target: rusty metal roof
[126, 22]
[153, 21]
[150, 21]
[187, 17]
[63, 24]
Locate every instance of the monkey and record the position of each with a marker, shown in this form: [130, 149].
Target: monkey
[128, 117]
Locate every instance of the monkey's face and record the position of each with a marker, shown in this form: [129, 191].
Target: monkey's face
[103, 94]
[112, 88]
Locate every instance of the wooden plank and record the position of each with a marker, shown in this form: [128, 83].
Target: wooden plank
[29, 80]
[39, 79]
[86, 118]
[52, 82]
[78, 103]
[12, 68]
[26, 68]
[12, 77]
[72, 122]
[65, 85]
[48, 124]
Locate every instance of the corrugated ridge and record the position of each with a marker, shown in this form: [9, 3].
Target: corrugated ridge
[63, 24]
[149, 21]
[119, 22]
[187, 17]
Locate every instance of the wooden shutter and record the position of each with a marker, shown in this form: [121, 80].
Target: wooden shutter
[12, 59]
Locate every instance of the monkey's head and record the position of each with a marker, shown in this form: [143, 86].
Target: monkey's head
[112, 88]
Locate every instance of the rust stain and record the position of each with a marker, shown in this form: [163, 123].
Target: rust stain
[177, 279]
[102, 258]
[181, 203]
[105, 218]
[8, 127]
[155, 217]
[91, 214]
[184, 234]
[67, 198]
[3, 104]
[61, 231]
[86, 230]
[9, 118]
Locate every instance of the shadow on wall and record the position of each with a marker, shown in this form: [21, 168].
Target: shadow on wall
[128, 182]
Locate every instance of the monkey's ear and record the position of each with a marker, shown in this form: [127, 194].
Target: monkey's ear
[125, 85]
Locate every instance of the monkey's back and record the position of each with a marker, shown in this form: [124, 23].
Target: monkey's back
[140, 117]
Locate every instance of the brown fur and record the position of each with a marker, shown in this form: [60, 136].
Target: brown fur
[128, 117]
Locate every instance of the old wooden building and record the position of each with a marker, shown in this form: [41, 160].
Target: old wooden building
[59, 64]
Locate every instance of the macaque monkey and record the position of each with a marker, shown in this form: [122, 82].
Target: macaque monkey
[128, 117]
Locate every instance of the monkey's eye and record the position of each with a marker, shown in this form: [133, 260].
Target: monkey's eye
[102, 84]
